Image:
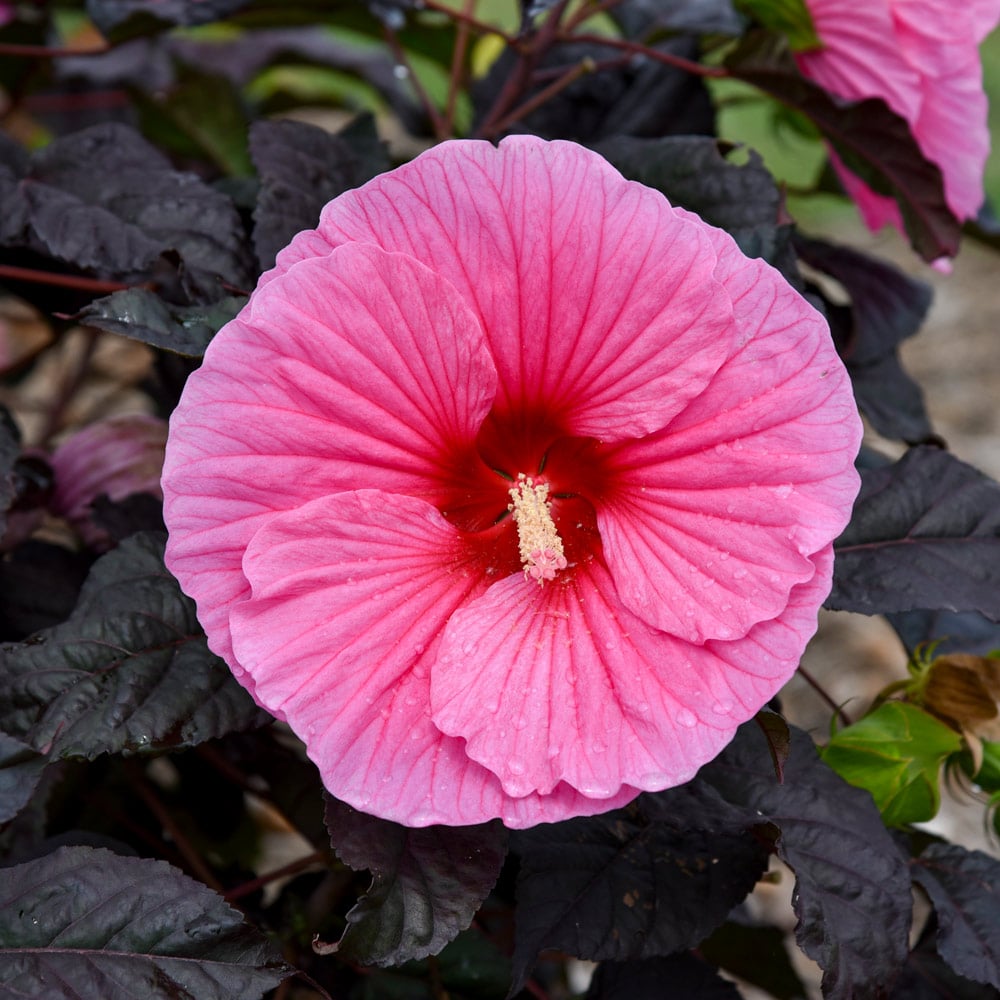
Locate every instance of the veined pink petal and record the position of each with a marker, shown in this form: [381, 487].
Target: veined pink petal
[860, 55]
[360, 369]
[921, 57]
[709, 524]
[351, 594]
[563, 684]
[597, 301]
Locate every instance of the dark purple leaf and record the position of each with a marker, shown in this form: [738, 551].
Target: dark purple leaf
[887, 306]
[20, 771]
[84, 922]
[653, 878]
[871, 139]
[967, 632]
[110, 15]
[757, 954]
[852, 887]
[301, 168]
[697, 17]
[693, 172]
[39, 586]
[123, 518]
[925, 534]
[964, 888]
[140, 314]
[427, 883]
[104, 199]
[637, 97]
[688, 977]
[128, 672]
[927, 976]
[10, 450]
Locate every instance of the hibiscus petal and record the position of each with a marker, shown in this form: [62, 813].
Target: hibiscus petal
[860, 56]
[709, 524]
[350, 596]
[566, 264]
[562, 683]
[360, 369]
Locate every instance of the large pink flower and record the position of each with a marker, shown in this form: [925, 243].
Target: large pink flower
[513, 488]
[922, 58]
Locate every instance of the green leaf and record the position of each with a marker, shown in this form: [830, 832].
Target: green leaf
[427, 883]
[129, 672]
[201, 115]
[895, 753]
[139, 314]
[84, 922]
[789, 17]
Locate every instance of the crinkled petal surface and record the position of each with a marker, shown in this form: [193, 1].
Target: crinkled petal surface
[709, 524]
[360, 369]
[351, 594]
[599, 304]
[564, 684]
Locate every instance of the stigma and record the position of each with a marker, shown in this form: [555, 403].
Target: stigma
[539, 544]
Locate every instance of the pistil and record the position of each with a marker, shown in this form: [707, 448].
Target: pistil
[539, 544]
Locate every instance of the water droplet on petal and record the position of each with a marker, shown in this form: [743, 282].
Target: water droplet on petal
[784, 491]
[722, 707]
[686, 718]
[515, 766]
[598, 747]
[520, 722]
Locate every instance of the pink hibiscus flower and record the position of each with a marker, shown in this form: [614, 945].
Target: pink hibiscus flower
[513, 488]
[922, 58]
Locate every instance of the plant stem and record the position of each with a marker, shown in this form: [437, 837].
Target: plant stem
[482, 27]
[457, 65]
[184, 846]
[292, 868]
[821, 691]
[438, 124]
[48, 51]
[570, 76]
[677, 62]
[77, 281]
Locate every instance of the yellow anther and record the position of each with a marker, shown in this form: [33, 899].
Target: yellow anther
[539, 544]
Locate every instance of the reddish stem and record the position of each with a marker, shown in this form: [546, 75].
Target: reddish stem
[677, 62]
[48, 51]
[821, 691]
[77, 281]
[458, 65]
[438, 123]
[570, 76]
[292, 868]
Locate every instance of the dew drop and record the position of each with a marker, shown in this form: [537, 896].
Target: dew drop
[784, 491]
[686, 718]
[642, 708]
[739, 572]
[520, 723]
[415, 735]
[723, 556]
[598, 747]
[492, 707]
[554, 752]
[515, 766]
[722, 707]
[411, 699]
